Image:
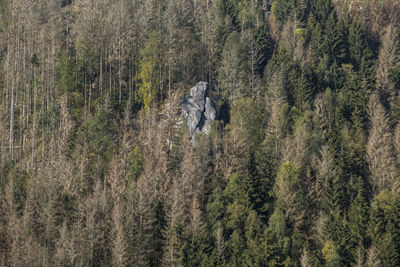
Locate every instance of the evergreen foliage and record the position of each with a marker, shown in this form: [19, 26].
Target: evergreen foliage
[301, 167]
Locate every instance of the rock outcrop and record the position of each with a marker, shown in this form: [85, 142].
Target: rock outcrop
[199, 110]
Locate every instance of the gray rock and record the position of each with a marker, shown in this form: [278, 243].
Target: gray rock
[198, 109]
[210, 112]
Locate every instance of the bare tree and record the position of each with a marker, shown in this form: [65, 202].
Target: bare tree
[65, 248]
[380, 155]
[389, 57]
[275, 101]
[140, 221]
[117, 184]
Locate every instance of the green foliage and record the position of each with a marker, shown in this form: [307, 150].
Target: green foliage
[76, 72]
[193, 247]
[135, 163]
[262, 178]
[237, 202]
[21, 181]
[70, 83]
[283, 179]
[359, 217]
[236, 245]
[282, 9]
[300, 88]
[395, 77]
[247, 114]
[215, 209]
[150, 74]
[321, 9]
[301, 34]
[329, 253]
[353, 97]
[228, 18]
[99, 130]
[254, 254]
[333, 50]
[384, 227]
[283, 250]
[358, 47]
[3, 10]
[232, 67]
[288, 188]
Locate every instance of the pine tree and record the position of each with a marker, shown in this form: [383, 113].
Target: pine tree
[151, 73]
[359, 217]
[237, 203]
[359, 51]
[333, 51]
[253, 254]
[232, 67]
[288, 190]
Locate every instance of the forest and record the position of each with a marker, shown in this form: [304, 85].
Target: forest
[301, 167]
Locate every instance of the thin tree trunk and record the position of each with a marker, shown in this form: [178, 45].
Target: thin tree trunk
[119, 66]
[101, 73]
[34, 120]
[12, 121]
[8, 71]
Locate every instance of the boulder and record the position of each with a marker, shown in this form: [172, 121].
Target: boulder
[199, 109]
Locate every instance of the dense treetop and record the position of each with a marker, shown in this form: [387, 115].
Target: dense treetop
[97, 167]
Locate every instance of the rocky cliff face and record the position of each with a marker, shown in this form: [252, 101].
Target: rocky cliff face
[199, 110]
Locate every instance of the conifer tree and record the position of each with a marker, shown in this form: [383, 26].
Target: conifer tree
[151, 73]
[389, 58]
[359, 217]
[231, 71]
[380, 148]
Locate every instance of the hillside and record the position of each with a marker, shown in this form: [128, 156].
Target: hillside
[199, 133]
